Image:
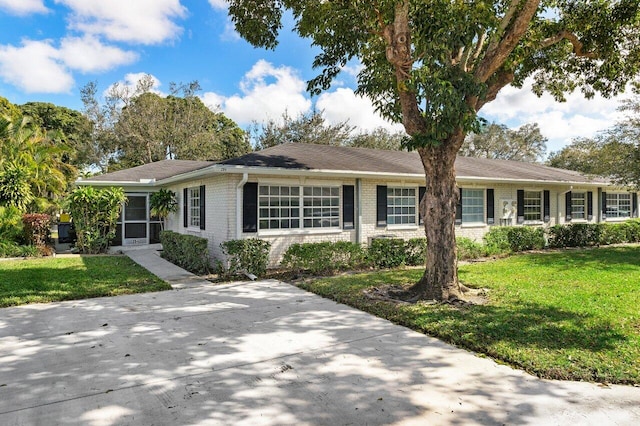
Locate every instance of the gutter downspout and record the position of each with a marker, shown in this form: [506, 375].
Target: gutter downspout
[245, 178]
[358, 212]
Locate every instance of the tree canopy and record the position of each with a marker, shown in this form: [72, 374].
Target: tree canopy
[313, 128]
[498, 142]
[432, 65]
[137, 126]
[614, 153]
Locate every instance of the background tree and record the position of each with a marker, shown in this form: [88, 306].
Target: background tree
[138, 126]
[64, 126]
[498, 142]
[33, 173]
[432, 65]
[379, 138]
[614, 153]
[305, 128]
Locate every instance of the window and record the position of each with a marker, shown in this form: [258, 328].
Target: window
[578, 205]
[401, 206]
[194, 206]
[279, 207]
[618, 205]
[532, 205]
[321, 207]
[472, 205]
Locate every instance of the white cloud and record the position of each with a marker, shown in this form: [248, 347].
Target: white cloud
[135, 21]
[23, 7]
[35, 67]
[560, 122]
[39, 66]
[218, 4]
[344, 105]
[267, 92]
[88, 54]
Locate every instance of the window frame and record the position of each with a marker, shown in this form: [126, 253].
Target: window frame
[577, 214]
[193, 220]
[412, 218]
[482, 205]
[294, 204]
[528, 218]
[617, 205]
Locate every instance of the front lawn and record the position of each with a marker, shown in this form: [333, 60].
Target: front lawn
[68, 278]
[564, 315]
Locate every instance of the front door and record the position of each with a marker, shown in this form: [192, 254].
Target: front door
[135, 220]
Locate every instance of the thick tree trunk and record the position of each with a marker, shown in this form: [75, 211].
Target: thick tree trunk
[440, 279]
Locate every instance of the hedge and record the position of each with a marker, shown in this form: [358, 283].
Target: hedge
[247, 256]
[323, 258]
[187, 251]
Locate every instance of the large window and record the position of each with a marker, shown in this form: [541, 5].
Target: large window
[578, 205]
[532, 205]
[401, 206]
[472, 205]
[618, 205]
[321, 207]
[194, 206]
[279, 207]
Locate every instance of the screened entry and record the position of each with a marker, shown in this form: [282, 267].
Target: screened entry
[135, 224]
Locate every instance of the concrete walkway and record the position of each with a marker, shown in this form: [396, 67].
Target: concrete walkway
[263, 353]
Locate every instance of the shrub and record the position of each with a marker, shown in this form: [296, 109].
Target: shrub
[469, 249]
[322, 258]
[12, 249]
[506, 239]
[187, 251]
[162, 204]
[496, 241]
[523, 238]
[632, 228]
[613, 233]
[95, 213]
[416, 251]
[11, 224]
[249, 255]
[574, 235]
[37, 229]
[387, 253]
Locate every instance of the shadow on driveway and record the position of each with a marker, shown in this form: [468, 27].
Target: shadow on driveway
[263, 353]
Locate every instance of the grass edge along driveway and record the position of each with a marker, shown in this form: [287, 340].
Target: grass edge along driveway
[70, 278]
[569, 315]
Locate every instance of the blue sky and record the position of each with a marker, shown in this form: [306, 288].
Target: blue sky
[49, 49]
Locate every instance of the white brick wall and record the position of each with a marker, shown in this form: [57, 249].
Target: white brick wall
[221, 215]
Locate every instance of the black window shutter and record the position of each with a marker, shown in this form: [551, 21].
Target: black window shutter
[203, 208]
[520, 208]
[250, 207]
[547, 206]
[459, 208]
[604, 205]
[421, 191]
[381, 206]
[185, 207]
[348, 206]
[567, 206]
[490, 207]
[634, 204]
[589, 205]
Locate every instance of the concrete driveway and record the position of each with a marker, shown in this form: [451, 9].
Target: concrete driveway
[263, 353]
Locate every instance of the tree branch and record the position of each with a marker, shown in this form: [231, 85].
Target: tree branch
[578, 46]
[516, 26]
[500, 80]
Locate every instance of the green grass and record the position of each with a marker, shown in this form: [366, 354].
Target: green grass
[571, 315]
[70, 278]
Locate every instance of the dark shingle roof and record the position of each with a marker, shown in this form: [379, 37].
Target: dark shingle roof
[325, 157]
[158, 170]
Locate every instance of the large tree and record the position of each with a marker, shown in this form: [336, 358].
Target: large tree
[432, 65]
[498, 142]
[614, 153]
[136, 126]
